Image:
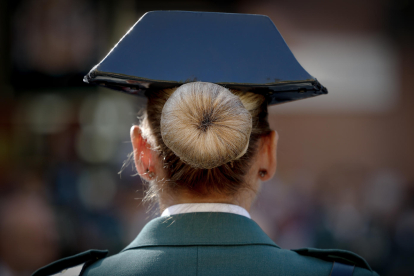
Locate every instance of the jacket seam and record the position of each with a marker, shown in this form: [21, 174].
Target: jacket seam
[197, 262]
[186, 245]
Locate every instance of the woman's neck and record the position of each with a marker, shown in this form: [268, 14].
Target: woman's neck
[242, 199]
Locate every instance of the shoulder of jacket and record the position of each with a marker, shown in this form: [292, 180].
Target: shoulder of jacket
[73, 264]
[335, 255]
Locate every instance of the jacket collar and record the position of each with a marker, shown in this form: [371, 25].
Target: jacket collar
[201, 229]
[204, 207]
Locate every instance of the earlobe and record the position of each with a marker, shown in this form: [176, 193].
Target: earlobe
[268, 156]
[136, 140]
[142, 154]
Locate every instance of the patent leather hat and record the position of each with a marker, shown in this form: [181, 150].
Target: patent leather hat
[165, 49]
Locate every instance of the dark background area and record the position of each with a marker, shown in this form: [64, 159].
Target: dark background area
[345, 161]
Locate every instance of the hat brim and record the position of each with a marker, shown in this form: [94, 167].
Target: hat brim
[166, 49]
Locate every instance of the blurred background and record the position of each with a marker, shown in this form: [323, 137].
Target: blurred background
[345, 161]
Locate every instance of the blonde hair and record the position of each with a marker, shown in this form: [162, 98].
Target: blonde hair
[205, 125]
[206, 135]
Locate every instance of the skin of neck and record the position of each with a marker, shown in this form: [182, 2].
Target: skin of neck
[244, 197]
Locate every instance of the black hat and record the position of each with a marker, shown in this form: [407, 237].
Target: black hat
[165, 49]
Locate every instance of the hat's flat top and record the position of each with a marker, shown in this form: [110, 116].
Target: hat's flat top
[224, 48]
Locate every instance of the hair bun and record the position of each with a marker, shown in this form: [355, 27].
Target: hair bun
[205, 125]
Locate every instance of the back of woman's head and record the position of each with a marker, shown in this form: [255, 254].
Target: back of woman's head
[206, 135]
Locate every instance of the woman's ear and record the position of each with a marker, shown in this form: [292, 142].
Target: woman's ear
[267, 156]
[144, 156]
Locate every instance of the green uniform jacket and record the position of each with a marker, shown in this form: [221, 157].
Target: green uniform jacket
[216, 244]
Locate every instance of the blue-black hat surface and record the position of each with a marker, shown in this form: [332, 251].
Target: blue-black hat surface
[165, 49]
